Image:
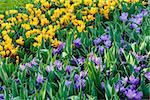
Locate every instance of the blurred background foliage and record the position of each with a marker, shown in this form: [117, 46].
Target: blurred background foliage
[10, 4]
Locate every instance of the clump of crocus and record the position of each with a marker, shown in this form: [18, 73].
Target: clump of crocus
[40, 78]
[97, 61]
[136, 20]
[133, 94]
[104, 40]
[80, 81]
[124, 17]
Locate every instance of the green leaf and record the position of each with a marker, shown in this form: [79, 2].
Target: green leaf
[14, 89]
[43, 91]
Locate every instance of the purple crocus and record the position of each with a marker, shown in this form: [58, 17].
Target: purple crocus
[101, 49]
[80, 83]
[98, 61]
[122, 89]
[147, 75]
[105, 37]
[81, 60]
[138, 96]
[108, 44]
[50, 68]
[131, 94]
[77, 42]
[1, 96]
[28, 64]
[137, 69]
[97, 41]
[22, 67]
[68, 83]
[138, 30]
[39, 78]
[58, 64]
[124, 17]
[33, 62]
[83, 74]
[76, 77]
[133, 25]
[91, 57]
[69, 69]
[144, 12]
[133, 80]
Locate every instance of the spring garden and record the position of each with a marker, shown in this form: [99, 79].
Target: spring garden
[75, 50]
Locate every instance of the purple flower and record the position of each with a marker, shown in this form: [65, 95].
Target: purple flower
[91, 57]
[124, 80]
[22, 67]
[133, 80]
[1, 96]
[102, 85]
[58, 64]
[101, 49]
[147, 75]
[33, 62]
[132, 87]
[138, 30]
[83, 74]
[39, 79]
[97, 41]
[76, 77]
[133, 25]
[68, 83]
[139, 20]
[80, 84]
[81, 60]
[107, 44]
[50, 68]
[122, 89]
[117, 87]
[69, 69]
[139, 95]
[137, 69]
[98, 61]
[131, 94]
[77, 42]
[144, 12]
[124, 17]
[105, 37]
[28, 64]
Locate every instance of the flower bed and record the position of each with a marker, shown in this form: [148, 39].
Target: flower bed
[75, 49]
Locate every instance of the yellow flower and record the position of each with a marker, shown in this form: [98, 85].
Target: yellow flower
[28, 33]
[93, 10]
[1, 16]
[55, 42]
[2, 53]
[1, 48]
[26, 26]
[88, 2]
[7, 52]
[20, 41]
